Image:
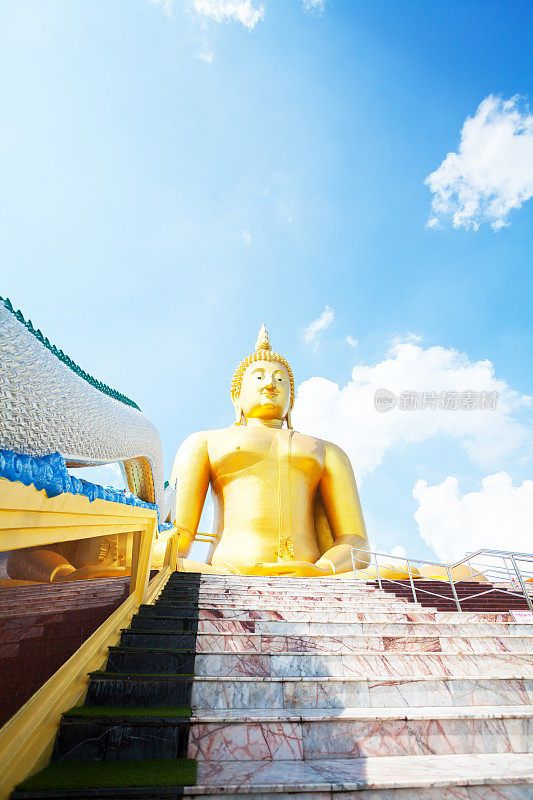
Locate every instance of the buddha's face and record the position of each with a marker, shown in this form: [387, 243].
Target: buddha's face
[265, 391]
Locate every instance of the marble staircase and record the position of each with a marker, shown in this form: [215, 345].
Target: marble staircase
[333, 689]
[313, 689]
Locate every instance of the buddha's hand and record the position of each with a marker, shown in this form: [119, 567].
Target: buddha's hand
[185, 540]
[88, 573]
[290, 569]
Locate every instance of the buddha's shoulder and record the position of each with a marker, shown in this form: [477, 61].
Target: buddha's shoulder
[202, 439]
[331, 450]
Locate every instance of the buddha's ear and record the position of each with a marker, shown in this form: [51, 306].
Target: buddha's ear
[288, 419]
[238, 411]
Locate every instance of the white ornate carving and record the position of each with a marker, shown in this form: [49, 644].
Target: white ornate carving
[45, 408]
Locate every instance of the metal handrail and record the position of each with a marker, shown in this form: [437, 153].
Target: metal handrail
[520, 575]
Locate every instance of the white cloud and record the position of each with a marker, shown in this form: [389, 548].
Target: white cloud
[247, 12]
[317, 6]
[205, 54]
[166, 5]
[104, 474]
[493, 171]
[346, 415]
[313, 332]
[399, 551]
[246, 235]
[351, 341]
[498, 516]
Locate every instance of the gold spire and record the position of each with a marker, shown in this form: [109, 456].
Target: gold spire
[262, 340]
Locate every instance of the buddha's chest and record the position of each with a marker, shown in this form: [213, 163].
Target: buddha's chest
[245, 449]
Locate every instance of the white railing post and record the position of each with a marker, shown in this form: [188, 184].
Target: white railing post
[511, 580]
[522, 584]
[412, 581]
[377, 569]
[457, 603]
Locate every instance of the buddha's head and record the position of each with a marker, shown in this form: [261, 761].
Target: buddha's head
[263, 385]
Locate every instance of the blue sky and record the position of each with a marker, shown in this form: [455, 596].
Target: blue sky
[169, 181]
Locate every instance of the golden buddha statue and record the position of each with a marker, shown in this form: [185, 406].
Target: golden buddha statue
[285, 503]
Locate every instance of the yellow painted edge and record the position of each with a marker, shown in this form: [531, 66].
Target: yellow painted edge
[27, 739]
[11, 519]
[14, 494]
[31, 537]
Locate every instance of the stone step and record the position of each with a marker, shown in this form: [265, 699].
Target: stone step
[132, 659]
[307, 734]
[236, 582]
[281, 628]
[310, 592]
[348, 603]
[269, 643]
[302, 734]
[166, 640]
[360, 664]
[121, 738]
[492, 776]
[131, 690]
[323, 616]
[357, 591]
[281, 607]
[364, 593]
[274, 585]
[281, 603]
[298, 693]
[108, 689]
[315, 586]
[330, 645]
[442, 591]
[156, 779]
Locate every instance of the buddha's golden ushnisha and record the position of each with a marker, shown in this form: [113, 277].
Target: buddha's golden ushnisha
[285, 503]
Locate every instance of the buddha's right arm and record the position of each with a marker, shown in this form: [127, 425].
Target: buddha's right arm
[191, 474]
[38, 564]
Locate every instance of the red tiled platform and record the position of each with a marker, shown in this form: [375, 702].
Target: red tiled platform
[42, 625]
[489, 597]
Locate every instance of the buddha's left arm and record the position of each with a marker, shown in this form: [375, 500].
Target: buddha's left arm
[340, 497]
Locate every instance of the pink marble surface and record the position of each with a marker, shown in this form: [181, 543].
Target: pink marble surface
[413, 737]
[479, 644]
[351, 737]
[245, 741]
[285, 643]
[342, 615]
[365, 714]
[278, 627]
[484, 792]
[333, 692]
[325, 615]
[384, 772]
[296, 681]
[309, 592]
[227, 643]
[365, 664]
